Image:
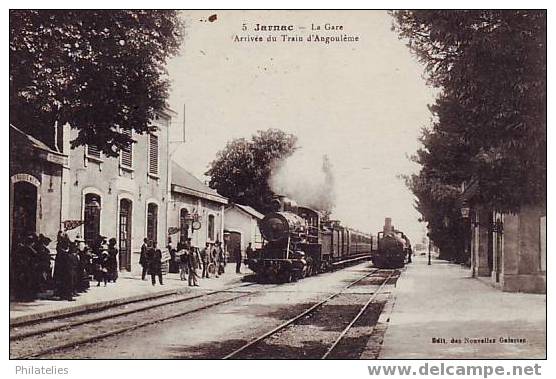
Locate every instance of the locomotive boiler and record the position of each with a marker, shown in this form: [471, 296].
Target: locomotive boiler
[282, 257]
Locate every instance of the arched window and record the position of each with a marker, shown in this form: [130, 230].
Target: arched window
[184, 226]
[152, 222]
[92, 219]
[211, 227]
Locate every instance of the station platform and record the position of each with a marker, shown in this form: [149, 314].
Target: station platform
[128, 288]
[440, 311]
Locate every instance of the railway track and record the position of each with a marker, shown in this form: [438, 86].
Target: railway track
[253, 344]
[51, 337]
[70, 331]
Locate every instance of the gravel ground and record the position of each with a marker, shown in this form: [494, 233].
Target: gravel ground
[40, 342]
[311, 336]
[71, 320]
[215, 332]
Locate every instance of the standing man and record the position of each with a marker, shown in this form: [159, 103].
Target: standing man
[45, 267]
[143, 260]
[237, 257]
[25, 266]
[215, 258]
[205, 256]
[63, 269]
[82, 279]
[221, 258]
[193, 262]
[155, 263]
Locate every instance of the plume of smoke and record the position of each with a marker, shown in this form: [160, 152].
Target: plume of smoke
[306, 178]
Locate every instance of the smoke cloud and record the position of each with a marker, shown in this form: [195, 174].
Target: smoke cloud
[306, 178]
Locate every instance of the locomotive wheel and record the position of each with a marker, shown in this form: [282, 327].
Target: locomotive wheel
[285, 277]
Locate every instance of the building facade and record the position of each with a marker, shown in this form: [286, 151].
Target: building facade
[123, 197]
[195, 211]
[35, 186]
[241, 227]
[508, 250]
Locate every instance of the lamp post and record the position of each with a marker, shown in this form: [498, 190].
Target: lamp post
[428, 235]
[465, 231]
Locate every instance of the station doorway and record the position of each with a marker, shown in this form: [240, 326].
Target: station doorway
[126, 207]
[233, 243]
[24, 216]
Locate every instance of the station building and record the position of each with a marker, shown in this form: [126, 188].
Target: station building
[507, 250]
[195, 211]
[133, 196]
[241, 227]
[83, 192]
[35, 186]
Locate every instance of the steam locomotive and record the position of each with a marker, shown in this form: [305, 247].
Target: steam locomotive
[393, 247]
[300, 243]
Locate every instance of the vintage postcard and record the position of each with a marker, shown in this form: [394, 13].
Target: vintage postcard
[278, 184]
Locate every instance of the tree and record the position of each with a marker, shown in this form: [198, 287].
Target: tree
[490, 117]
[241, 170]
[103, 72]
[491, 68]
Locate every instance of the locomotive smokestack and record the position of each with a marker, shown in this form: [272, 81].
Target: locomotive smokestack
[387, 225]
[277, 203]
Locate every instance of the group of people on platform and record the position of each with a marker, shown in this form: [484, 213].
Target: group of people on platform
[74, 266]
[188, 259]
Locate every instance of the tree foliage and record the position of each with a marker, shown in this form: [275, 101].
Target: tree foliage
[100, 71]
[490, 117]
[241, 171]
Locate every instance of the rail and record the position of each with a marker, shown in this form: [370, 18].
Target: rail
[295, 318]
[101, 335]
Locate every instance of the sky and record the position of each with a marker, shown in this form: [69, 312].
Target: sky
[361, 103]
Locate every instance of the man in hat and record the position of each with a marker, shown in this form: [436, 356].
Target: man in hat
[100, 262]
[85, 264]
[25, 267]
[143, 261]
[237, 256]
[64, 269]
[205, 257]
[44, 267]
[193, 264]
[155, 263]
[218, 258]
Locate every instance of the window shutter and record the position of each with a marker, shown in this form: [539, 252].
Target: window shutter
[153, 154]
[127, 153]
[93, 151]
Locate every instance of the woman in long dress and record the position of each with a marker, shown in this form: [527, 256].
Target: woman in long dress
[112, 261]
